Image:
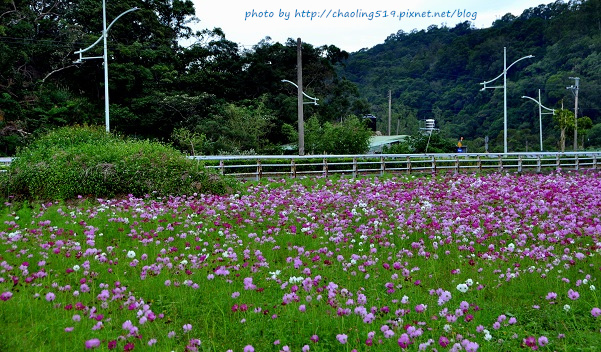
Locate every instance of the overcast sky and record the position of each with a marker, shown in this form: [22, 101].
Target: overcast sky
[349, 33]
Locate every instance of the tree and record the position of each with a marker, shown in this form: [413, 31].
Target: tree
[564, 119]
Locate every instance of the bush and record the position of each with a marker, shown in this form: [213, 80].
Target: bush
[73, 161]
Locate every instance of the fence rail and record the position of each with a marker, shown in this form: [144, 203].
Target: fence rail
[261, 166]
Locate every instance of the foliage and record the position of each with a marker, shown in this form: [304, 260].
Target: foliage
[564, 120]
[423, 143]
[192, 142]
[350, 136]
[86, 161]
[157, 84]
[437, 72]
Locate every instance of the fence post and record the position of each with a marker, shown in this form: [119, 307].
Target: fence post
[325, 167]
[382, 166]
[576, 162]
[457, 167]
[222, 167]
[408, 165]
[293, 168]
[433, 165]
[501, 163]
[259, 170]
[520, 163]
[355, 167]
[595, 162]
[538, 164]
[479, 164]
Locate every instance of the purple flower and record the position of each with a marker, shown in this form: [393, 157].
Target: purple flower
[543, 341]
[5, 296]
[50, 296]
[314, 338]
[342, 338]
[69, 329]
[187, 327]
[249, 348]
[443, 341]
[596, 312]
[93, 343]
[573, 295]
[404, 341]
[551, 296]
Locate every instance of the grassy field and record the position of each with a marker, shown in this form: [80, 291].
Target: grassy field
[499, 262]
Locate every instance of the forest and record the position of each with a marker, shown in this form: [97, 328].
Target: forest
[219, 98]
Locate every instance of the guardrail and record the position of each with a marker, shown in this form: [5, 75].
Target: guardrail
[260, 166]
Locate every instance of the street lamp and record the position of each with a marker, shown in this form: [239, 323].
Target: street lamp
[301, 127]
[105, 57]
[314, 102]
[540, 113]
[504, 86]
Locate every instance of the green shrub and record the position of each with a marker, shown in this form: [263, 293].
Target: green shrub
[87, 161]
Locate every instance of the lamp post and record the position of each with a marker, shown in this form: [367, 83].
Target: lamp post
[504, 86]
[540, 113]
[105, 29]
[301, 130]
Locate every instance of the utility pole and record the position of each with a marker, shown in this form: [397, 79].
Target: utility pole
[299, 82]
[389, 112]
[574, 89]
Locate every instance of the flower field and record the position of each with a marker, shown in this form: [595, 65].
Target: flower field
[497, 262]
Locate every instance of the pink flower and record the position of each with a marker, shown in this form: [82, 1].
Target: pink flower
[93, 343]
[573, 295]
[342, 338]
[404, 341]
[50, 296]
[5, 296]
[543, 341]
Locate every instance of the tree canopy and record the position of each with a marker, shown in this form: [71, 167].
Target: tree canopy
[233, 99]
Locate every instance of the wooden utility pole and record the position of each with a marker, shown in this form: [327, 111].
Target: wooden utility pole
[389, 112]
[299, 82]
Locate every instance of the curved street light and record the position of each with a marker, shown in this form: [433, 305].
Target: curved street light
[104, 56]
[314, 102]
[504, 86]
[540, 113]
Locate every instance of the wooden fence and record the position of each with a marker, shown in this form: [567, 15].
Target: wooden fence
[261, 166]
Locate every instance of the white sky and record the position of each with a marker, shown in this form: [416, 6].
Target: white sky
[350, 33]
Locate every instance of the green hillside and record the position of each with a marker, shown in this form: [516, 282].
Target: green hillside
[435, 73]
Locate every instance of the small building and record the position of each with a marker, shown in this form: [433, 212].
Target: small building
[376, 143]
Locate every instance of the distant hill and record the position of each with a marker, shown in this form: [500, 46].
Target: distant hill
[435, 73]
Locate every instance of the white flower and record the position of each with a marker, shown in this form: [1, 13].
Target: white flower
[131, 254]
[566, 307]
[592, 287]
[469, 282]
[487, 337]
[462, 288]
[447, 328]
[76, 267]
